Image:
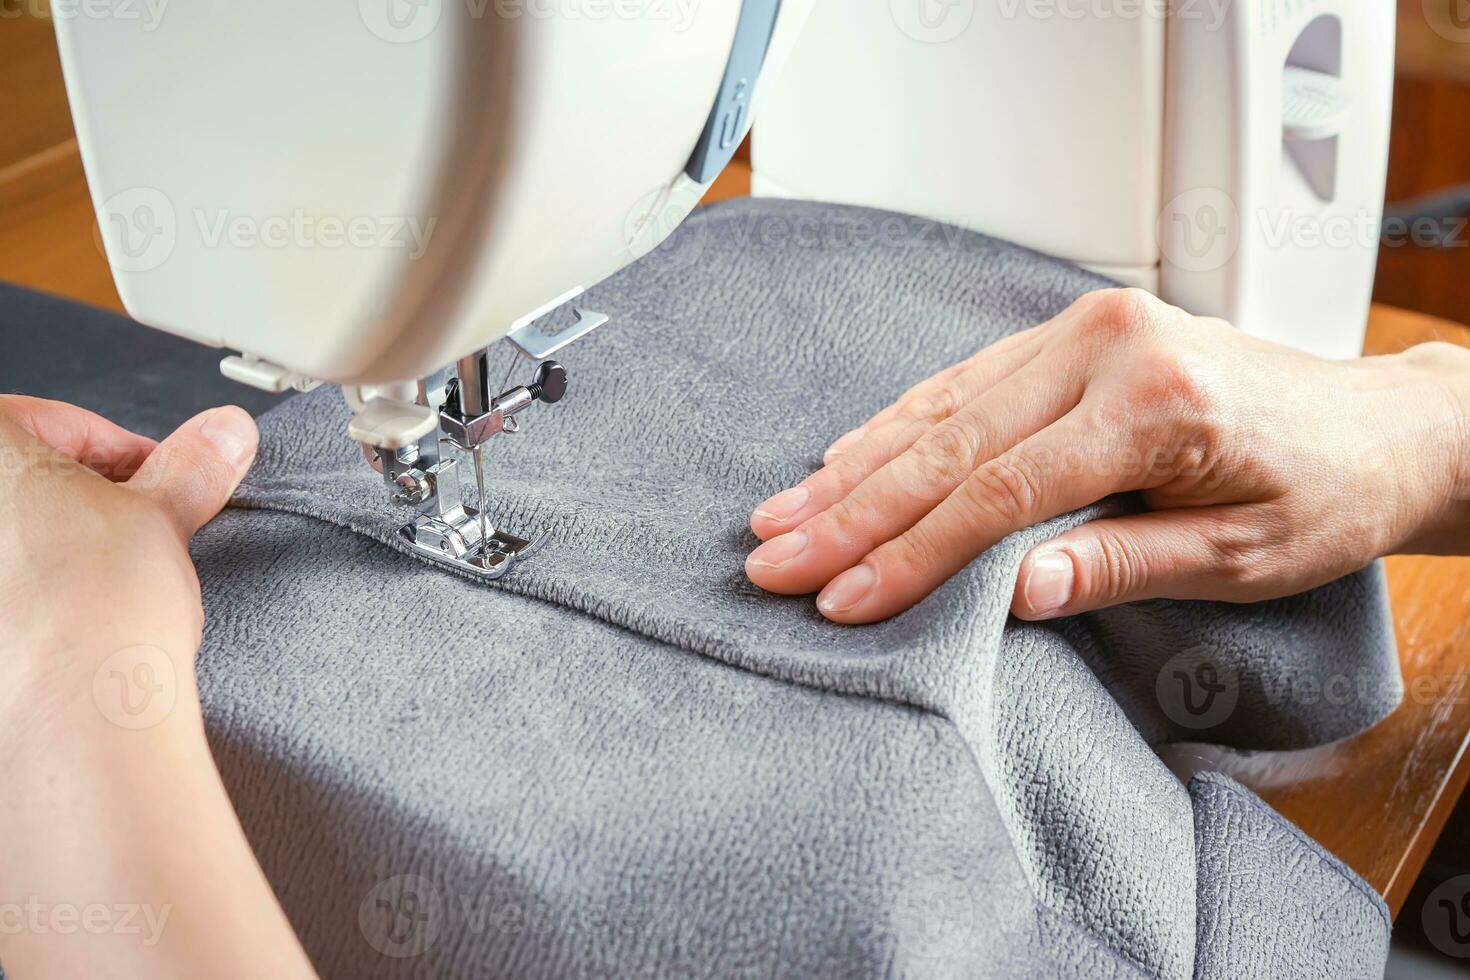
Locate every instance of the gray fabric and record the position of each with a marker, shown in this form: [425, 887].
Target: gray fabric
[1272, 902]
[625, 759]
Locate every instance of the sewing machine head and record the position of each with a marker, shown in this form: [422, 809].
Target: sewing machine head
[367, 195]
[375, 194]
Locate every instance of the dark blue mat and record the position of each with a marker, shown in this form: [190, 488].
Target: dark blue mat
[142, 379]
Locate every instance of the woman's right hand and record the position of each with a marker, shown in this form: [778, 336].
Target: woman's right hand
[1265, 471]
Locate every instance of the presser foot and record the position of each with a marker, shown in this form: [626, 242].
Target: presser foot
[453, 539]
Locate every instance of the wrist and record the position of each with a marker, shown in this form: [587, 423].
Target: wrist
[1441, 449]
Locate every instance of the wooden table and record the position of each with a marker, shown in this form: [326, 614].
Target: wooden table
[1378, 801]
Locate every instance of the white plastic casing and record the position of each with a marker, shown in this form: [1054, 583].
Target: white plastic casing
[364, 192]
[1268, 223]
[1045, 131]
[1143, 139]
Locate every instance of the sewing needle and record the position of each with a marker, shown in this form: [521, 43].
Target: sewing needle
[479, 454]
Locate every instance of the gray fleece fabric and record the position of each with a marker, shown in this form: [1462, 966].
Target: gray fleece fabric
[625, 760]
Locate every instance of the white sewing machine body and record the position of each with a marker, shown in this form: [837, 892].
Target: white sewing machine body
[363, 193]
[1228, 155]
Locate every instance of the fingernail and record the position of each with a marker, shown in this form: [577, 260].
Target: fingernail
[231, 432]
[1049, 582]
[784, 505]
[847, 589]
[778, 551]
[845, 443]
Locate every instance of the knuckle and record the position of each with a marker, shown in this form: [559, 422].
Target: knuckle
[214, 477]
[934, 405]
[1167, 379]
[845, 522]
[1237, 559]
[1116, 314]
[906, 558]
[1007, 488]
[1118, 570]
[940, 460]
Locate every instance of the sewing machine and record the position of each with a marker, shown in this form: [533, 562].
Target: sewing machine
[375, 195]
[1229, 156]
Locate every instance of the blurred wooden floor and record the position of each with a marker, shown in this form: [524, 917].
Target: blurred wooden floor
[1378, 801]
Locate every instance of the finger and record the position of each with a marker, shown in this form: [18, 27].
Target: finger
[1001, 350]
[790, 508]
[897, 496]
[88, 438]
[194, 471]
[1024, 485]
[1079, 310]
[1192, 553]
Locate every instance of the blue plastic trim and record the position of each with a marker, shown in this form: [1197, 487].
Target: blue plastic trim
[726, 123]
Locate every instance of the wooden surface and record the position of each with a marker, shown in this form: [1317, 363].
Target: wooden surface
[1378, 801]
[1429, 152]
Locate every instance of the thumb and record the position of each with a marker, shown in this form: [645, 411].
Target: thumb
[1164, 554]
[193, 472]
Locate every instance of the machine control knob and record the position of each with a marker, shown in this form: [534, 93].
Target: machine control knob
[550, 384]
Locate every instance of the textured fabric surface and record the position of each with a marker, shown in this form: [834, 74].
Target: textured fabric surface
[625, 759]
[1272, 902]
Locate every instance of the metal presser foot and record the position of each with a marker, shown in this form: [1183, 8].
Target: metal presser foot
[454, 539]
[417, 449]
